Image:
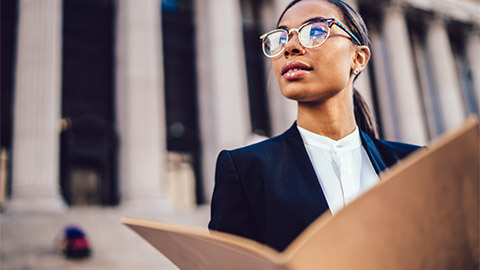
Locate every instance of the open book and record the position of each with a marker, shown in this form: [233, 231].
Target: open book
[424, 214]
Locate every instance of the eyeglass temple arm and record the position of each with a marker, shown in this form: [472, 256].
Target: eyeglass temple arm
[348, 31]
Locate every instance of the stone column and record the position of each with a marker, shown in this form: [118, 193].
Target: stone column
[473, 54]
[35, 183]
[222, 90]
[445, 74]
[407, 95]
[384, 86]
[140, 103]
[431, 103]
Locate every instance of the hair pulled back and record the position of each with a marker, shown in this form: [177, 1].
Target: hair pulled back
[354, 22]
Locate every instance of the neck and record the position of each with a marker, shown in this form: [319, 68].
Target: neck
[332, 117]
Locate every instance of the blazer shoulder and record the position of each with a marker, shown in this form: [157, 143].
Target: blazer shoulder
[262, 148]
[399, 149]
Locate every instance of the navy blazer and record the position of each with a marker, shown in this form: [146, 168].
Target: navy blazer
[269, 191]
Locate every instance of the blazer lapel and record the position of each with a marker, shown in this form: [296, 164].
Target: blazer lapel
[373, 153]
[301, 158]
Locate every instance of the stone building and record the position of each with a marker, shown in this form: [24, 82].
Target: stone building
[122, 102]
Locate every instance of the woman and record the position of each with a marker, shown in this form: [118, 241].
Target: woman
[271, 191]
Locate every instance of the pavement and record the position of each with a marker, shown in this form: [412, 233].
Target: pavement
[29, 240]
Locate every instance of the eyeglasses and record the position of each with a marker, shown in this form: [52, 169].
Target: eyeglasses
[310, 34]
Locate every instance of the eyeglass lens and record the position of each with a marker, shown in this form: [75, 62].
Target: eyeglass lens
[310, 35]
[274, 42]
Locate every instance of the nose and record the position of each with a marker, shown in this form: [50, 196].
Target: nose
[293, 45]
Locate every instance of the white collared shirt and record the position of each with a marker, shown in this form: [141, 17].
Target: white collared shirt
[343, 167]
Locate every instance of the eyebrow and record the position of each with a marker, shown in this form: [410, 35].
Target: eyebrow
[308, 20]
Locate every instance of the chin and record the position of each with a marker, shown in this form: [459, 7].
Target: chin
[304, 95]
[295, 94]
[292, 89]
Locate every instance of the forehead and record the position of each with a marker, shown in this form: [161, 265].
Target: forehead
[305, 10]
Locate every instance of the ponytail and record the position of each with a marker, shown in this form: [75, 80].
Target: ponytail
[363, 115]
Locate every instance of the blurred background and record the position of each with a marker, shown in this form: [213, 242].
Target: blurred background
[120, 107]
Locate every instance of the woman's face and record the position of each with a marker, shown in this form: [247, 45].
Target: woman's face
[324, 70]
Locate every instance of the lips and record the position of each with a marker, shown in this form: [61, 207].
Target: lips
[295, 70]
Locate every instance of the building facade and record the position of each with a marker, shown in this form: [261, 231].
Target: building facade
[121, 102]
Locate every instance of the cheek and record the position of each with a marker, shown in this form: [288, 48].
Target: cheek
[336, 73]
[276, 67]
[335, 68]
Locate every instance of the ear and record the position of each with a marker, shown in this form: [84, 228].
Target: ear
[361, 57]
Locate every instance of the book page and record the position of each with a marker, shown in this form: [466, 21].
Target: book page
[195, 249]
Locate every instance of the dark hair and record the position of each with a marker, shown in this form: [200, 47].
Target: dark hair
[354, 22]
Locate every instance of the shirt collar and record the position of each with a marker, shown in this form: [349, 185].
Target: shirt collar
[349, 142]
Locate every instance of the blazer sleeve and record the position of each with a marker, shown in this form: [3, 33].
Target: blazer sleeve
[231, 211]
